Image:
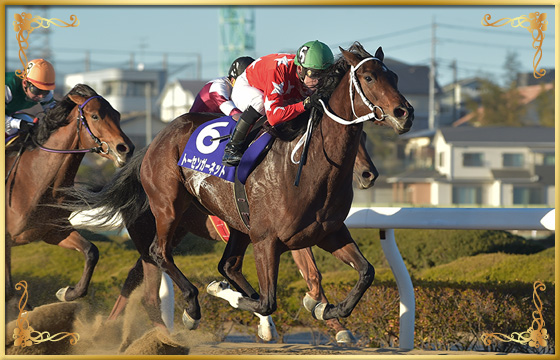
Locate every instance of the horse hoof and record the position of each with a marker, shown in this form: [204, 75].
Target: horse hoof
[189, 322]
[61, 294]
[319, 311]
[216, 286]
[267, 329]
[345, 337]
[309, 303]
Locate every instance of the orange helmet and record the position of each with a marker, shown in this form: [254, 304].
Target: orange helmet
[40, 73]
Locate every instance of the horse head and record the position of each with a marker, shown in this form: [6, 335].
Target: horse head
[365, 172]
[376, 86]
[102, 122]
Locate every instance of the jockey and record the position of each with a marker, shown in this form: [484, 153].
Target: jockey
[21, 94]
[282, 86]
[215, 95]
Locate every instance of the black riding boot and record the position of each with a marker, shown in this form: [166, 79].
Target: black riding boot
[236, 147]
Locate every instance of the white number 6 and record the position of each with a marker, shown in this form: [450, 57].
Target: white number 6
[211, 132]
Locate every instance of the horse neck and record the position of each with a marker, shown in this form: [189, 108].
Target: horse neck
[63, 167]
[339, 143]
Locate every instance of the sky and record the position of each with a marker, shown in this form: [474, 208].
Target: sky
[188, 33]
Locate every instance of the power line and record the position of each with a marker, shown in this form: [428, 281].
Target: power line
[388, 35]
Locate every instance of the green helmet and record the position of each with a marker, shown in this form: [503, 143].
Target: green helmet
[314, 55]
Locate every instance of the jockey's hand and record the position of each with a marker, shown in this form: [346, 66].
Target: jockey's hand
[26, 127]
[312, 101]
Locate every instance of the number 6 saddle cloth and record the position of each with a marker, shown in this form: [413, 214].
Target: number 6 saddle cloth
[205, 149]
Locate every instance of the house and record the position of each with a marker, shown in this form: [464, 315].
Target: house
[528, 95]
[454, 98]
[126, 90]
[483, 166]
[177, 98]
[414, 84]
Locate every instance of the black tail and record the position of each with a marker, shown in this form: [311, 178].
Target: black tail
[123, 195]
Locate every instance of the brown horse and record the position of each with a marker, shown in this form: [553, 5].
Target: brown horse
[81, 122]
[283, 217]
[143, 229]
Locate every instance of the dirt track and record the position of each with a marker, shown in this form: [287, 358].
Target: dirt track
[132, 335]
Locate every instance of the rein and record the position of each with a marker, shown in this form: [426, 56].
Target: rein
[81, 119]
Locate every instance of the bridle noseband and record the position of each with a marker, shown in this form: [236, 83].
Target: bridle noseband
[81, 119]
[355, 86]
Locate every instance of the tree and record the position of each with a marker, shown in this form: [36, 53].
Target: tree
[499, 106]
[544, 105]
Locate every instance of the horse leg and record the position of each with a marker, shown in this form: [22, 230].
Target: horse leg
[151, 300]
[230, 267]
[133, 280]
[267, 259]
[343, 247]
[75, 241]
[308, 269]
[168, 207]
[231, 263]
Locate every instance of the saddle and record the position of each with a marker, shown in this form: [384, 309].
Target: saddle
[205, 149]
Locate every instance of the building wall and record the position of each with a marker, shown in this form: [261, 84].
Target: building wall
[420, 193]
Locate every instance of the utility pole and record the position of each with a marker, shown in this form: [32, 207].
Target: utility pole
[432, 86]
[456, 92]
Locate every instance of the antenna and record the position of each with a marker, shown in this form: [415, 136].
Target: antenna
[237, 35]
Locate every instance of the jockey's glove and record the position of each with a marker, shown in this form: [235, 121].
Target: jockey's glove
[312, 101]
[26, 127]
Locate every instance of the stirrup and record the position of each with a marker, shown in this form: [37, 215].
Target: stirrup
[232, 158]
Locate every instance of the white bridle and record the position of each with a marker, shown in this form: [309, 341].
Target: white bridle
[354, 85]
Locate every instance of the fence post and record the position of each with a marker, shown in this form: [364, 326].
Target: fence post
[167, 296]
[404, 284]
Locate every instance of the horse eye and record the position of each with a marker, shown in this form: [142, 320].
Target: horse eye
[95, 117]
[368, 78]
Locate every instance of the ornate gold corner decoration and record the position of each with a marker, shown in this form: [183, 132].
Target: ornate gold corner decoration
[535, 336]
[535, 22]
[25, 335]
[24, 26]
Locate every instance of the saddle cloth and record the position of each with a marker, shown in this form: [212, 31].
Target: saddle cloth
[204, 154]
[221, 227]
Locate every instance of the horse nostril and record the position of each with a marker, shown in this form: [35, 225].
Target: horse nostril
[400, 112]
[122, 148]
[367, 175]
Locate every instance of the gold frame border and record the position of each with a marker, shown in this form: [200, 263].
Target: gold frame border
[534, 336]
[23, 26]
[24, 335]
[537, 22]
[555, 3]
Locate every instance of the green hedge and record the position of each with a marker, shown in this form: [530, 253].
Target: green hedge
[447, 317]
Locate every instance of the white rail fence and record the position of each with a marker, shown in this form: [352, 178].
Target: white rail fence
[386, 219]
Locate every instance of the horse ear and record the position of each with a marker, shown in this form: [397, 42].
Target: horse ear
[379, 53]
[350, 57]
[77, 99]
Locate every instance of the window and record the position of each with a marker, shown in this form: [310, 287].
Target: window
[513, 160]
[472, 159]
[467, 195]
[441, 158]
[548, 159]
[523, 195]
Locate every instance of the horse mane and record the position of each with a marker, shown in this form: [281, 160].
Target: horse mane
[52, 120]
[332, 77]
[328, 82]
